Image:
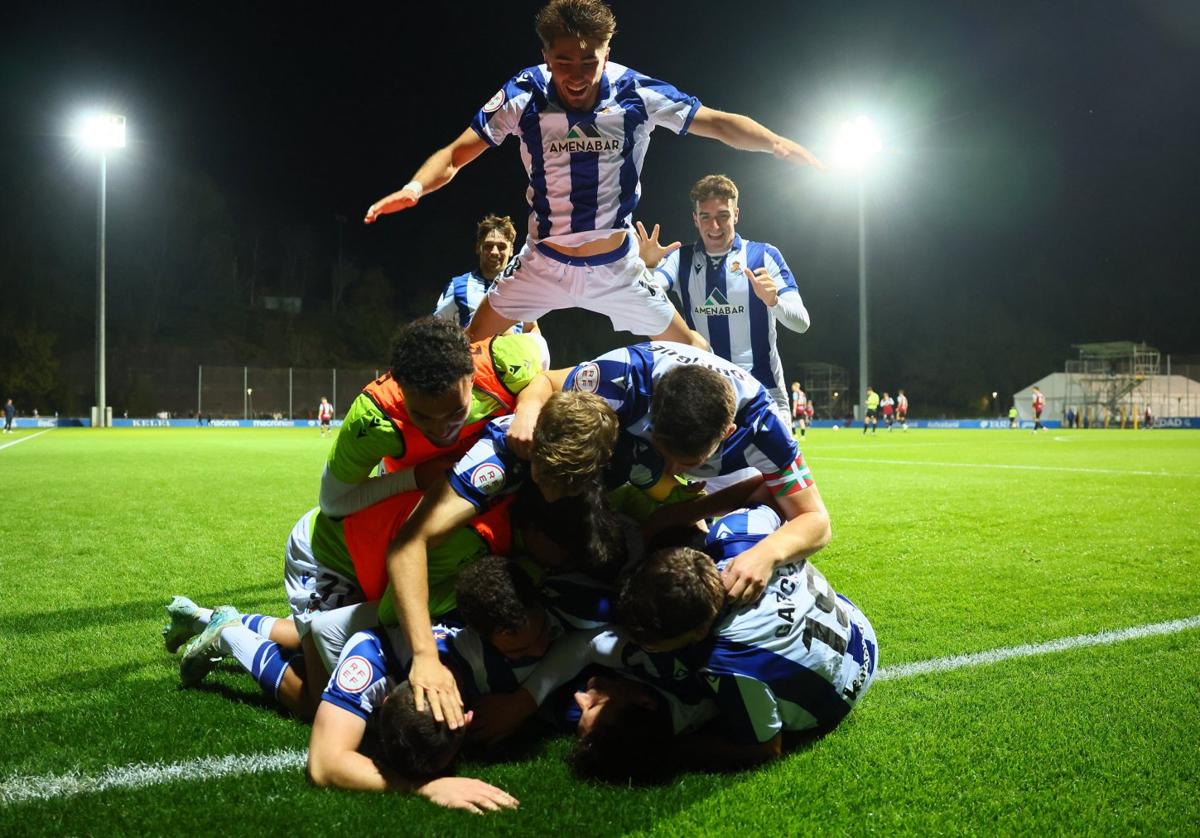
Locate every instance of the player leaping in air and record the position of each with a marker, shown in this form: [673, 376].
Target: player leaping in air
[584, 126]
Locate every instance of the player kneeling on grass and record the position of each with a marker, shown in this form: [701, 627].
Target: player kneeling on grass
[572, 441]
[799, 659]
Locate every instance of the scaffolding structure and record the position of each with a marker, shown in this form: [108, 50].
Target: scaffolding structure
[1105, 383]
[827, 388]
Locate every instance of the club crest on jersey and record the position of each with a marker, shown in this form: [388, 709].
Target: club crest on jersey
[354, 675]
[488, 478]
[587, 377]
[735, 267]
[584, 137]
[716, 305]
[492, 105]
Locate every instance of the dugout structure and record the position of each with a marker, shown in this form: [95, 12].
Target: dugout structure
[827, 387]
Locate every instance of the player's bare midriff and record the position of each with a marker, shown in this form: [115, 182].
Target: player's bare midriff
[592, 248]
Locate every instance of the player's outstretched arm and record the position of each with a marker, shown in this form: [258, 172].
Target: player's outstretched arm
[439, 512]
[742, 132]
[436, 172]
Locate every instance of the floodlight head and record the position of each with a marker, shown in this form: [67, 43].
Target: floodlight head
[857, 143]
[102, 131]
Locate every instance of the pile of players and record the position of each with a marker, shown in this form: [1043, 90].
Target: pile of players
[620, 547]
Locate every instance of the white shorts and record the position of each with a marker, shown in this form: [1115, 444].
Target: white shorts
[310, 586]
[332, 629]
[616, 284]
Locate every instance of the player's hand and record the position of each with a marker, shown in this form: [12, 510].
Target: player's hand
[793, 152]
[764, 287]
[395, 202]
[499, 715]
[520, 433]
[468, 794]
[745, 578]
[649, 249]
[434, 684]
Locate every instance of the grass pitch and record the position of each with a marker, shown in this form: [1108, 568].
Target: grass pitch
[952, 542]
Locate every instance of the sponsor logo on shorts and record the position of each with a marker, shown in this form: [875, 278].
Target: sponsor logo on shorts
[587, 377]
[354, 675]
[492, 105]
[488, 478]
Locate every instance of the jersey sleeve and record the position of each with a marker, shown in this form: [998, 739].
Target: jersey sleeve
[667, 272]
[666, 106]
[774, 452]
[778, 268]
[359, 682]
[446, 307]
[610, 377]
[747, 707]
[488, 470]
[365, 438]
[501, 115]
[519, 359]
[565, 658]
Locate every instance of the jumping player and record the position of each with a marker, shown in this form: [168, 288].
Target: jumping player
[584, 125]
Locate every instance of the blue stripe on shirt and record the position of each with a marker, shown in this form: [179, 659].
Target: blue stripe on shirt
[760, 322]
[683, 281]
[635, 116]
[585, 176]
[531, 133]
[718, 327]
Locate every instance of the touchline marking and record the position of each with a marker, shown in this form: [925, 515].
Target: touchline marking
[1079, 641]
[138, 775]
[24, 439]
[49, 786]
[818, 458]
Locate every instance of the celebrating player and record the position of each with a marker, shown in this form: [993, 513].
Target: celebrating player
[584, 125]
[494, 238]
[734, 290]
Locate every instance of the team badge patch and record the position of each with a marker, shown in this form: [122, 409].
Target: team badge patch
[736, 267]
[488, 478]
[492, 105]
[587, 377]
[354, 675]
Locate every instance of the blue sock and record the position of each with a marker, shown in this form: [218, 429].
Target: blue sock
[259, 623]
[257, 655]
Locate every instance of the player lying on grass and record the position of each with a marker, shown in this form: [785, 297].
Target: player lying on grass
[685, 411]
[572, 441]
[430, 406]
[584, 126]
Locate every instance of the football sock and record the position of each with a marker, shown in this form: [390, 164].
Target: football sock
[259, 656]
[259, 623]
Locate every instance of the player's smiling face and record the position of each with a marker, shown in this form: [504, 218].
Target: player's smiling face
[494, 252]
[440, 418]
[576, 67]
[715, 220]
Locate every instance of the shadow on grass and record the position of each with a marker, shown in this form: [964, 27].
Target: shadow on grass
[123, 612]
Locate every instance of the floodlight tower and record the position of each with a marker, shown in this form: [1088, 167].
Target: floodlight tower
[102, 132]
[856, 146]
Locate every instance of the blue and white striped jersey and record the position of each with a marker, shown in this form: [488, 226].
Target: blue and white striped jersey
[762, 438]
[578, 601]
[461, 297]
[720, 304]
[797, 659]
[489, 470]
[584, 167]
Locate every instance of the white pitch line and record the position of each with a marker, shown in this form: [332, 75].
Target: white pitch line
[49, 786]
[1079, 641]
[24, 439]
[138, 775]
[817, 458]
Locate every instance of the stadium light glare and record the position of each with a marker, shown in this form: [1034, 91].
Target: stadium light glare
[102, 131]
[857, 144]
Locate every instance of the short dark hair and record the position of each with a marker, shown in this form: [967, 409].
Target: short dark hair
[585, 19]
[431, 355]
[494, 594]
[629, 744]
[593, 539]
[414, 743]
[691, 409]
[669, 593]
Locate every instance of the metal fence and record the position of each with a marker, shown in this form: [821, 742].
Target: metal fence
[279, 393]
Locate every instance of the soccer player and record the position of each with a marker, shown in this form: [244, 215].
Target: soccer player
[799, 659]
[902, 410]
[494, 238]
[325, 415]
[888, 405]
[799, 409]
[684, 411]
[9, 412]
[572, 440]
[871, 417]
[430, 406]
[734, 290]
[1039, 404]
[1012, 417]
[584, 125]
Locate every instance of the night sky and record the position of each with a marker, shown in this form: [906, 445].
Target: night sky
[1039, 189]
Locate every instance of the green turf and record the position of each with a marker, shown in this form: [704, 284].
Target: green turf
[946, 549]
